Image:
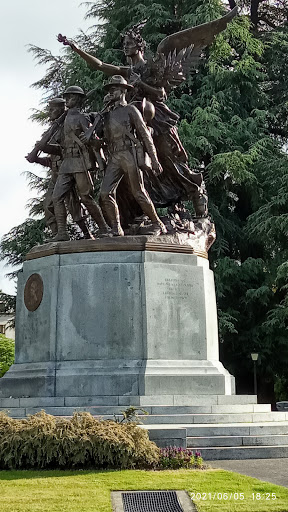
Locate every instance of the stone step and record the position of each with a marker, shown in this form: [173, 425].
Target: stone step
[273, 435]
[230, 418]
[244, 452]
[187, 400]
[126, 401]
[221, 441]
[208, 409]
[216, 418]
[180, 435]
[235, 429]
[151, 410]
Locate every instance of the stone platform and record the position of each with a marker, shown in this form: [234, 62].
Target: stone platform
[115, 323]
[106, 324]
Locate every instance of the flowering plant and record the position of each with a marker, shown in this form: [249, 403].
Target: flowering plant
[173, 457]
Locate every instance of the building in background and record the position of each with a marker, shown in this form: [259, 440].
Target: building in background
[7, 325]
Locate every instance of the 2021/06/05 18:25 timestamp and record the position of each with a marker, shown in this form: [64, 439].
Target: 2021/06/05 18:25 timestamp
[255, 496]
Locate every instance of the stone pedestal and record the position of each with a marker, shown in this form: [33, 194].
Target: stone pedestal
[116, 322]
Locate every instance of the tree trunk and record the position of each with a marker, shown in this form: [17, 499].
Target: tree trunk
[254, 12]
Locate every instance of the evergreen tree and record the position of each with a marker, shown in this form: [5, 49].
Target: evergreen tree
[7, 303]
[234, 126]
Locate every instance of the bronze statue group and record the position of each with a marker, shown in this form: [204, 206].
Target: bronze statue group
[133, 141]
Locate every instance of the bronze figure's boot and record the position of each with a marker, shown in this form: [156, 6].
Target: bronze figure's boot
[60, 214]
[53, 228]
[117, 229]
[114, 221]
[97, 216]
[157, 228]
[84, 228]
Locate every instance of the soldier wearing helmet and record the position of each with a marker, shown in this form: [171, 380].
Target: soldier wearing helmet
[56, 108]
[77, 163]
[124, 129]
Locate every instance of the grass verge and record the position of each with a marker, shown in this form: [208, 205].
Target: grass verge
[89, 491]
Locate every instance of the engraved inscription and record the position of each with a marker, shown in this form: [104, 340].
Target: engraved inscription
[174, 288]
[33, 292]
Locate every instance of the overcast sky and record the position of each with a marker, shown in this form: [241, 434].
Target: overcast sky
[22, 23]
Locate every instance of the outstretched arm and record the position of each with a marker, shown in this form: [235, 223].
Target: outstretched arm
[108, 69]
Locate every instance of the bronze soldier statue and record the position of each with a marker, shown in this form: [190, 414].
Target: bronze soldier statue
[52, 146]
[75, 168]
[124, 130]
[154, 79]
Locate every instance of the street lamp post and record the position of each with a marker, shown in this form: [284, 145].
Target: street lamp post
[254, 357]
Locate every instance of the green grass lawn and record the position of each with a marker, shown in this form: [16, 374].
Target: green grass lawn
[87, 491]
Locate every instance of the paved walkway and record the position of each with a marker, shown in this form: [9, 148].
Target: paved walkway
[269, 470]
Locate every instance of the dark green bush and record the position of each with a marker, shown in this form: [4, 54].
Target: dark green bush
[7, 351]
[45, 441]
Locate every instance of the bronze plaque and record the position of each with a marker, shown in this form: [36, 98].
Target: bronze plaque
[33, 292]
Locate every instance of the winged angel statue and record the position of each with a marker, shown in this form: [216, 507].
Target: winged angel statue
[152, 80]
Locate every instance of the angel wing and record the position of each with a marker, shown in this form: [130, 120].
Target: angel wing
[200, 36]
[181, 51]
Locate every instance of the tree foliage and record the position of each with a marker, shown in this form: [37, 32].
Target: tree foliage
[234, 126]
[7, 303]
[7, 350]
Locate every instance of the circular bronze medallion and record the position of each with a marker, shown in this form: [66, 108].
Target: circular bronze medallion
[33, 292]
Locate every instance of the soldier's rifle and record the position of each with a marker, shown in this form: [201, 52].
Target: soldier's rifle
[86, 137]
[46, 137]
[96, 122]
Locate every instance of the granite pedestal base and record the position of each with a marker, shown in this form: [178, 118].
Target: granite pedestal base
[117, 323]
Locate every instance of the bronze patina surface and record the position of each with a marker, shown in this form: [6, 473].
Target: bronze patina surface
[51, 143]
[33, 292]
[176, 243]
[126, 135]
[78, 161]
[134, 141]
[152, 80]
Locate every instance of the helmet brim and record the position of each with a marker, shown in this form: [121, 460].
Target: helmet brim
[106, 87]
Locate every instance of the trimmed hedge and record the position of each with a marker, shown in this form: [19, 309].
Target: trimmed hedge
[45, 441]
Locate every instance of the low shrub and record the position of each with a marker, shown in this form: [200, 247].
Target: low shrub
[45, 441]
[131, 415]
[176, 458]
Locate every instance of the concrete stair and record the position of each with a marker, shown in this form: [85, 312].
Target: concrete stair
[241, 441]
[245, 452]
[220, 426]
[264, 435]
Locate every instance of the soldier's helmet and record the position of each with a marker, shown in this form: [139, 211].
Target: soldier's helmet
[74, 89]
[117, 80]
[57, 102]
